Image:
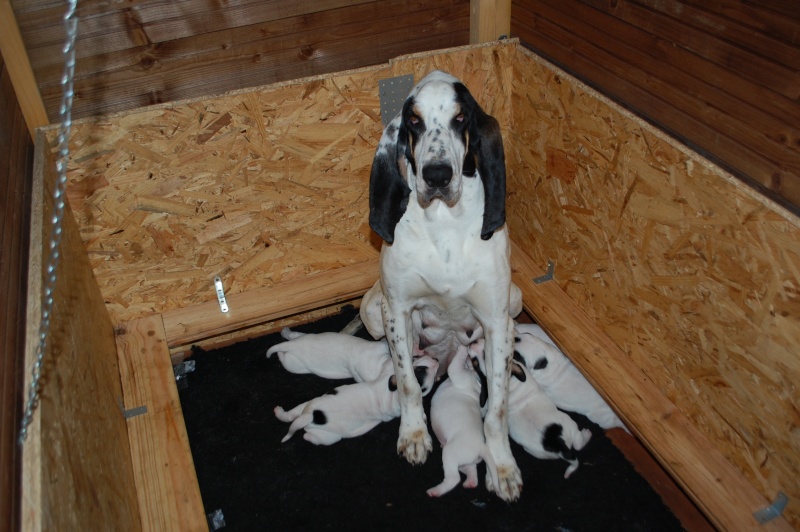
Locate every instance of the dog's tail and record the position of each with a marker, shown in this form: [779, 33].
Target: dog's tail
[289, 334]
[299, 422]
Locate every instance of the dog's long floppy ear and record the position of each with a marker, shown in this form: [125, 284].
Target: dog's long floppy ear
[388, 190]
[486, 147]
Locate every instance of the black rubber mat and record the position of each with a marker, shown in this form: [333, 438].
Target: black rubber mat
[261, 484]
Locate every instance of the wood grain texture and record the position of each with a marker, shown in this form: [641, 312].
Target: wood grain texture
[721, 76]
[77, 472]
[149, 51]
[691, 273]
[16, 168]
[15, 57]
[715, 485]
[166, 482]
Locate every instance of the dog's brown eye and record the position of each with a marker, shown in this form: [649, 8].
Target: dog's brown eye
[413, 120]
[460, 117]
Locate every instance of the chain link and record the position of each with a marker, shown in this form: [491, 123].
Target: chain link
[48, 288]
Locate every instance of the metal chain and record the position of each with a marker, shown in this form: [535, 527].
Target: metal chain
[48, 288]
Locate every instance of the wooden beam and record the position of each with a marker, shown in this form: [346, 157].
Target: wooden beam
[716, 486]
[489, 20]
[205, 320]
[166, 481]
[19, 68]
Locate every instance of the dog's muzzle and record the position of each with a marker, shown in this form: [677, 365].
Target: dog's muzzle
[438, 178]
[437, 175]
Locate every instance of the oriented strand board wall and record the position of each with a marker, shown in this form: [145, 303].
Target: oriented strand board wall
[692, 274]
[77, 469]
[258, 186]
[723, 76]
[142, 52]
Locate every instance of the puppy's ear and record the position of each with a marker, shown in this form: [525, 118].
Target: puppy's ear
[486, 149]
[484, 393]
[388, 190]
[518, 372]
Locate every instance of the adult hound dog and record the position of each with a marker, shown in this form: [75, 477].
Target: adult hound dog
[437, 198]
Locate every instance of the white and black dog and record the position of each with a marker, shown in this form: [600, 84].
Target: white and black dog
[437, 198]
[351, 410]
[332, 355]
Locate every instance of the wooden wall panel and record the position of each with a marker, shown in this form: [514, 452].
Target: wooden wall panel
[77, 472]
[149, 51]
[693, 275]
[16, 167]
[721, 76]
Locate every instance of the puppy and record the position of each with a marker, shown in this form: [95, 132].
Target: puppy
[351, 410]
[332, 355]
[537, 425]
[457, 422]
[560, 379]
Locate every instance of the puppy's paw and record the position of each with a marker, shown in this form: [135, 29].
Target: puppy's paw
[510, 482]
[414, 446]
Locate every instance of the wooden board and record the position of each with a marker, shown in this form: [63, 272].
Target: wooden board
[76, 462]
[166, 482]
[715, 485]
[691, 273]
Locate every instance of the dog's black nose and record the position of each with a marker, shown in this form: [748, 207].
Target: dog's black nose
[437, 175]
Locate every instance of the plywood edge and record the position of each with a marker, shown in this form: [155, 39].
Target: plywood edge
[166, 481]
[716, 486]
[31, 482]
[246, 309]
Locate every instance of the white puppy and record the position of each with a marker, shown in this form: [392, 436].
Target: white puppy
[560, 379]
[538, 425]
[457, 422]
[332, 355]
[351, 410]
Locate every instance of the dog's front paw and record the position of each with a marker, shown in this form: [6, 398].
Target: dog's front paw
[414, 446]
[509, 479]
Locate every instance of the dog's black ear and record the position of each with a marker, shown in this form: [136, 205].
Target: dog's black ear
[518, 372]
[484, 393]
[388, 191]
[486, 149]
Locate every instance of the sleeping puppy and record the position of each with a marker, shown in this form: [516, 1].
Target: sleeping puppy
[457, 422]
[332, 355]
[560, 379]
[538, 425]
[351, 410]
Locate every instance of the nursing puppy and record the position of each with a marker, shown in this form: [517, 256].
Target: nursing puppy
[332, 355]
[351, 410]
[457, 422]
[537, 424]
[560, 379]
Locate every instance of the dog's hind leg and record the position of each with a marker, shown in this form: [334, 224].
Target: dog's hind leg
[451, 474]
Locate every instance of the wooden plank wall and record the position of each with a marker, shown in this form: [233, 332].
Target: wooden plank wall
[723, 76]
[16, 167]
[142, 52]
[693, 275]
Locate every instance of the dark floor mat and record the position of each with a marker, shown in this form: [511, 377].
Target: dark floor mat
[260, 483]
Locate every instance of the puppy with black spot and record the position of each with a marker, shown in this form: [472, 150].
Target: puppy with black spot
[351, 410]
[332, 355]
[458, 424]
[560, 379]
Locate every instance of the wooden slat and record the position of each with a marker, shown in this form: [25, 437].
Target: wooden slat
[713, 483]
[19, 69]
[205, 320]
[166, 481]
[16, 152]
[489, 20]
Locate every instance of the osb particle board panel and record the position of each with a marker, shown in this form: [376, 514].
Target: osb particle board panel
[693, 275]
[256, 186]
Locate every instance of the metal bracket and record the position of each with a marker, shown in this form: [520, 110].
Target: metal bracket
[393, 92]
[133, 412]
[772, 511]
[223, 304]
[551, 268]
